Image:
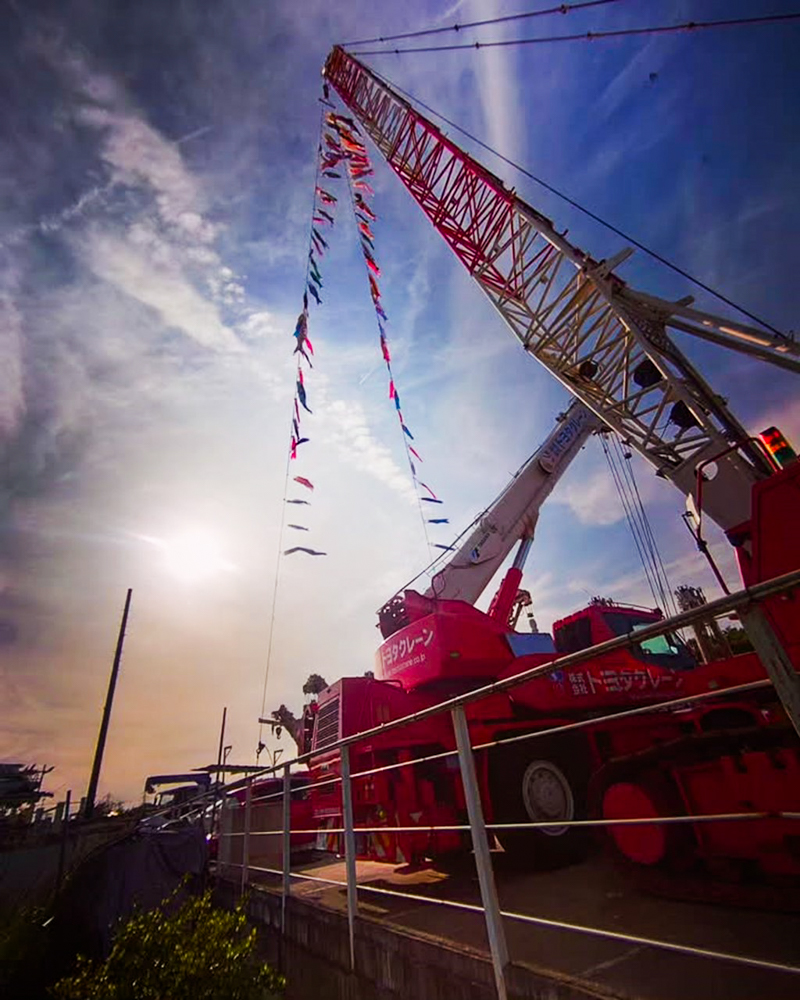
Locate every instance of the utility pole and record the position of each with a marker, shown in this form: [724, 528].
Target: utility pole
[44, 771]
[219, 765]
[101, 737]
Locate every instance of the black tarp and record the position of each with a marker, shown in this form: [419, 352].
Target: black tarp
[137, 872]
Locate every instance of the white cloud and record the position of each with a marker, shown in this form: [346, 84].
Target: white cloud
[346, 426]
[261, 325]
[201, 230]
[590, 492]
[160, 284]
[593, 499]
[139, 155]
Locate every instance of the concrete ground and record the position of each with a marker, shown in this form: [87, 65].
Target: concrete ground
[592, 894]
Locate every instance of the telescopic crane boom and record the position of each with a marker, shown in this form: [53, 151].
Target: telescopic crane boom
[513, 515]
[606, 343]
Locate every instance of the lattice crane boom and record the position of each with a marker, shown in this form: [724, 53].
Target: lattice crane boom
[606, 343]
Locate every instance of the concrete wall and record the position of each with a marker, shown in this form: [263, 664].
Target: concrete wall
[390, 964]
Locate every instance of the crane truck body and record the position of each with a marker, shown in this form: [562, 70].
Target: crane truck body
[726, 756]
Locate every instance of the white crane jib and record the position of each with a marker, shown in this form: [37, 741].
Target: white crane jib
[513, 515]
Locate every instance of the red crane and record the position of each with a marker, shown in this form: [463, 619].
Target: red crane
[609, 346]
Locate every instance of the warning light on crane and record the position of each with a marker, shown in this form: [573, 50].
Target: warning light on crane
[777, 445]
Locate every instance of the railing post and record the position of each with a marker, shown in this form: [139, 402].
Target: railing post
[349, 851]
[480, 845]
[287, 843]
[248, 812]
[775, 661]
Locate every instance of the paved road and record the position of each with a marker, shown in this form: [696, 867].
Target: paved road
[592, 894]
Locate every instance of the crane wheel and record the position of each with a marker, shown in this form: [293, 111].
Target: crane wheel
[538, 782]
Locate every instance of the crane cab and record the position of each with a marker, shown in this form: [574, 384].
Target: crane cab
[604, 619]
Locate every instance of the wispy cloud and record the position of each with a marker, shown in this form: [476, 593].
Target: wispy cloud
[139, 157]
[154, 283]
[785, 415]
[51, 224]
[12, 393]
[498, 89]
[346, 426]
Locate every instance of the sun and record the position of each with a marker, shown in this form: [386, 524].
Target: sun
[194, 555]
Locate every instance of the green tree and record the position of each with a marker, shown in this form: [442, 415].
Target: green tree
[197, 952]
[24, 941]
[314, 684]
[737, 639]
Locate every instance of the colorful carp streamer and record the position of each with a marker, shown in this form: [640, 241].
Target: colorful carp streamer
[340, 143]
[351, 149]
[329, 155]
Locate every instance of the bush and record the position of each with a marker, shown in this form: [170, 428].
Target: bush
[24, 943]
[195, 952]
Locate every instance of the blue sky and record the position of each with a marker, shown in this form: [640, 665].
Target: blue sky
[156, 174]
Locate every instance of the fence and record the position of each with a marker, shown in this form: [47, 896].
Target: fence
[276, 806]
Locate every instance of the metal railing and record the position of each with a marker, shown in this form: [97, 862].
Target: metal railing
[746, 602]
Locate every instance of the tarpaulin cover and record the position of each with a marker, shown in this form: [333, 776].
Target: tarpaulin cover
[139, 871]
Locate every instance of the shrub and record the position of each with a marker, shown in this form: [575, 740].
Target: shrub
[24, 943]
[194, 952]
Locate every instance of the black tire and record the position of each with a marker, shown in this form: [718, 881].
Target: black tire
[536, 781]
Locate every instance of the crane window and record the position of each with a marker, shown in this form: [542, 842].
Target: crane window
[658, 643]
[574, 636]
[661, 650]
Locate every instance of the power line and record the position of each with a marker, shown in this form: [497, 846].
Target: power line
[632, 526]
[648, 538]
[588, 36]
[618, 459]
[586, 211]
[562, 8]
